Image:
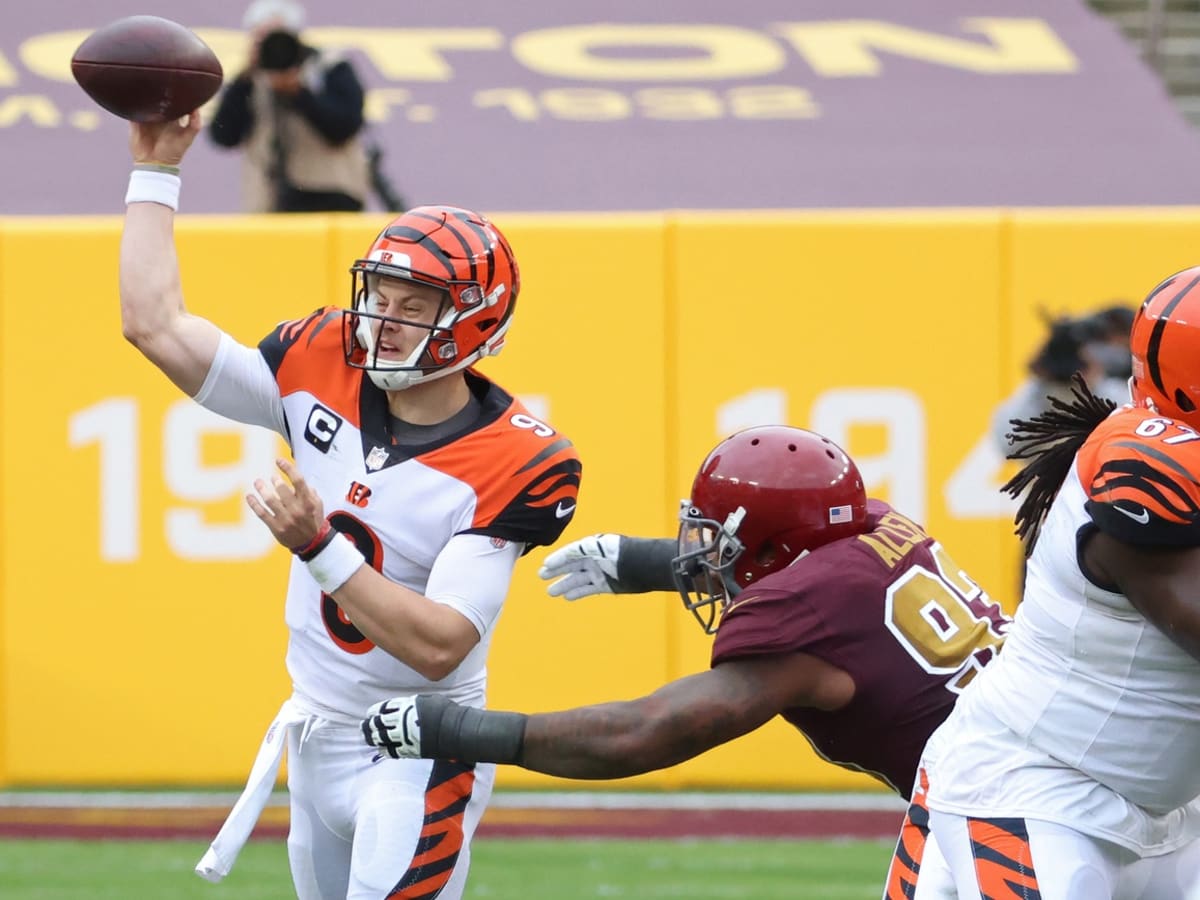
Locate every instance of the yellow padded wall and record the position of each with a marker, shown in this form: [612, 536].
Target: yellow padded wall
[1068, 261]
[143, 607]
[138, 594]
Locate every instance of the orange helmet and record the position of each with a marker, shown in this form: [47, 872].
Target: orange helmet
[457, 251]
[1165, 344]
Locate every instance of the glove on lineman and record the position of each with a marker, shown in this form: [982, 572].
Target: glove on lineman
[588, 564]
[392, 726]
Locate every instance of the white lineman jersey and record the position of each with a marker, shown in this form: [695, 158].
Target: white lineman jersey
[1087, 692]
[507, 477]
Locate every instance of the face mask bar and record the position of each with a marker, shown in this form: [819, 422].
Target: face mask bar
[465, 299]
[434, 352]
[703, 570]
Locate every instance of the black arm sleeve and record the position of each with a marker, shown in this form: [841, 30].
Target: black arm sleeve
[234, 119]
[451, 731]
[336, 111]
[644, 564]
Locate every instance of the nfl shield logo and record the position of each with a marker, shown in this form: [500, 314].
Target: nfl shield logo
[378, 456]
[839, 515]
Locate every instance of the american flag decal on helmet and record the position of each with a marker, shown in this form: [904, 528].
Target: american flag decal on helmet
[839, 515]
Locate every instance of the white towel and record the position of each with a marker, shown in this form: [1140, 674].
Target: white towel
[223, 852]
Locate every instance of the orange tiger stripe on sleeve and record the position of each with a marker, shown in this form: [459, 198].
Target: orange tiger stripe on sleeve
[520, 475]
[306, 355]
[1140, 472]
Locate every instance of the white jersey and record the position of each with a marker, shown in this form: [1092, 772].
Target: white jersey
[507, 478]
[1084, 680]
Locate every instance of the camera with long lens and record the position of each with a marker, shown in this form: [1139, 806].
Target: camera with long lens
[279, 50]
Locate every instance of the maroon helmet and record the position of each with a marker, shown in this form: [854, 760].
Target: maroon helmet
[762, 498]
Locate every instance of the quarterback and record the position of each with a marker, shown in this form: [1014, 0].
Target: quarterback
[831, 610]
[1069, 770]
[416, 485]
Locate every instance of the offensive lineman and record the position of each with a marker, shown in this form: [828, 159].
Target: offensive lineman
[829, 609]
[1069, 770]
[423, 483]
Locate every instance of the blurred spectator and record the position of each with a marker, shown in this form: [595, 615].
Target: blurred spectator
[1108, 341]
[1096, 345]
[296, 112]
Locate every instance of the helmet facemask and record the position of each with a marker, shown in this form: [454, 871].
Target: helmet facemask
[703, 569]
[439, 352]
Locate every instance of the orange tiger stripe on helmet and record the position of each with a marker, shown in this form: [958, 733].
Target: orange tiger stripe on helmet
[441, 842]
[299, 371]
[1165, 344]
[1003, 859]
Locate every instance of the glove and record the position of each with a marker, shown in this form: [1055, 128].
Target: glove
[392, 726]
[585, 567]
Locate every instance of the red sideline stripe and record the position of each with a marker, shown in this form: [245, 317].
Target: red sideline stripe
[203, 822]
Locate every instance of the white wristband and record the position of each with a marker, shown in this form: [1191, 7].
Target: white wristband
[153, 187]
[333, 566]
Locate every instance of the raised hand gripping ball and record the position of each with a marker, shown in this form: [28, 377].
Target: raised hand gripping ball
[146, 69]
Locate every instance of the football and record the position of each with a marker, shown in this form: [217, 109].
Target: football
[146, 69]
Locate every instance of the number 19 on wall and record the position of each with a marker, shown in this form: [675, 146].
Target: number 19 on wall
[114, 427]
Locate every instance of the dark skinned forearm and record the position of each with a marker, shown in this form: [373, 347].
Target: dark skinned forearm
[614, 740]
[675, 723]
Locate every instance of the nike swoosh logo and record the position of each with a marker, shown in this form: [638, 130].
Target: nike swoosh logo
[1141, 518]
[561, 512]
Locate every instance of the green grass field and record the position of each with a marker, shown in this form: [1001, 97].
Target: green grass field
[501, 870]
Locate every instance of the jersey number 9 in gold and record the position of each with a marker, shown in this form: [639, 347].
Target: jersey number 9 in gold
[945, 621]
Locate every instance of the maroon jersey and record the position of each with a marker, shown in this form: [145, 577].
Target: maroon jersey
[890, 608]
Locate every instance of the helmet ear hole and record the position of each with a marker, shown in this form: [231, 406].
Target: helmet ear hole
[1184, 402]
[766, 554]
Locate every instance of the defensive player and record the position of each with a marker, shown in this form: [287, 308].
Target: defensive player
[1069, 770]
[422, 484]
[829, 609]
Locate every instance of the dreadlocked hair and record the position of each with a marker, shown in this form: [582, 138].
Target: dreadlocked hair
[1050, 441]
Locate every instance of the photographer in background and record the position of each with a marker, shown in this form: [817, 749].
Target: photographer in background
[1108, 343]
[297, 114]
[1072, 345]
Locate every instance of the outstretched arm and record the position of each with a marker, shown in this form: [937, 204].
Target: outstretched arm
[153, 317]
[609, 564]
[613, 740]
[675, 723]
